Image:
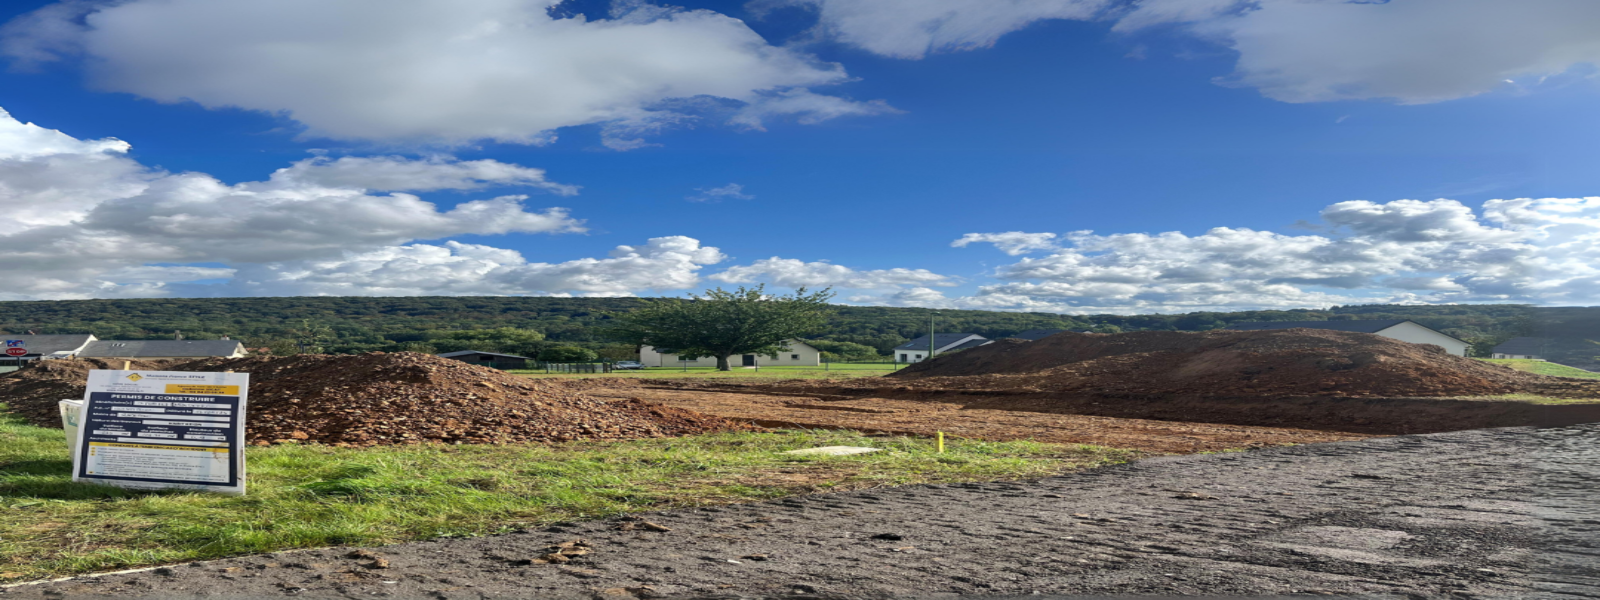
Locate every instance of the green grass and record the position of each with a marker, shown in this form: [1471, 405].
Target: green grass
[833, 370]
[1540, 367]
[317, 496]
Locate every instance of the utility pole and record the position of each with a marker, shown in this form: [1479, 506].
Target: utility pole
[930, 335]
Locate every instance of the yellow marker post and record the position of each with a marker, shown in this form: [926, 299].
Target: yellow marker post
[941, 441]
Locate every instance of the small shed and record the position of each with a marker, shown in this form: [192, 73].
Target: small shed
[489, 359]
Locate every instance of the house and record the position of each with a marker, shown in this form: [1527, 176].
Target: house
[489, 359]
[799, 354]
[1404, 330]
[45, 345]
[1522, 347]
[1033, 335]
[163, 349]
[917, 350]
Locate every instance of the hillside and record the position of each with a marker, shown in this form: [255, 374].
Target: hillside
[360, 323]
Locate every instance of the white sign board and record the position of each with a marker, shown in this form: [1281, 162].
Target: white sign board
[163, 430]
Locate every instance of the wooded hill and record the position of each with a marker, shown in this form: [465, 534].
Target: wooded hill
[357, 324]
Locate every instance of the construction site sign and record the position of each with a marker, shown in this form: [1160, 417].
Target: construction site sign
[163, 430]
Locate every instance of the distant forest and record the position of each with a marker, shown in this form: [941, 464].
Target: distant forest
[523, 324]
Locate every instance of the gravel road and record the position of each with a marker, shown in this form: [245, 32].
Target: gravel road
[1505, 512]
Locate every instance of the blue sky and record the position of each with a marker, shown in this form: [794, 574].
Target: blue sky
[918, 125]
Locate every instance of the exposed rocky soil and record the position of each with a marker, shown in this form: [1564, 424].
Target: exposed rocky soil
[1489, 513]
[924, 418]
[1290, 362]
[397, 398]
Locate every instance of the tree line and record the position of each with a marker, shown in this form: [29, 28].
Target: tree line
[528, 326]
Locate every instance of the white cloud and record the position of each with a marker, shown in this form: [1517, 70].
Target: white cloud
[84, 220]
[663, 264]
[1523, 250]
[794, 273]
[431, 72]
[1410, 51]
[732, 191]
[1010, 242]
[915, 28]
[386, 173]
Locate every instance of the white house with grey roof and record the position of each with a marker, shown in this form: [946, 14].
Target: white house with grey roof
[163, 349]
[799, 354]
[1522, 347]
[918, 350]
[39, 346]
[1404, 330]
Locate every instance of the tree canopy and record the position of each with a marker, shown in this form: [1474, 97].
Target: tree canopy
[722, 323]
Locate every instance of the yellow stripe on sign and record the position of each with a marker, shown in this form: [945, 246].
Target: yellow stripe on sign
[155, 447]
[205, 390]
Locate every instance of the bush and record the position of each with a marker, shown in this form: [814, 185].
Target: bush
[567, 354]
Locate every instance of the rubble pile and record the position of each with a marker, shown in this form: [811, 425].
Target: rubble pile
[1287, 362]
[394, 398]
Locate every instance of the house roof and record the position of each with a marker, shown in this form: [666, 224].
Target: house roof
[161, 348]
[971, 344]
[790, 342]
[46, 344]
[1531, 346]
[1035, 334]
[940, 340]
[1373, 326]
[466, 352]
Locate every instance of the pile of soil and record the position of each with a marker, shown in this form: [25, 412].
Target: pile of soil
[388, 398]
[1287, 362]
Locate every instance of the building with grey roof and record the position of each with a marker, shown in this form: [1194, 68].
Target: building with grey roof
[1404, 330]
[160, 349]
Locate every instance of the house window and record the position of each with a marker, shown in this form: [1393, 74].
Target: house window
[919, 357]
[794, 357]
[903, 358]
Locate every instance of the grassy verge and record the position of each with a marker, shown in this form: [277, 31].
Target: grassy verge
[313, 496]
[835, 370]
[1540, 367]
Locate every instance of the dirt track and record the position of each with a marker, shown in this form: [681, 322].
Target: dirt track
[924, 418]
[1476, 513]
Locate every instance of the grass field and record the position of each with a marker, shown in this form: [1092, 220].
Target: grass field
[315, 496]
[832, 370]
[1543, 368]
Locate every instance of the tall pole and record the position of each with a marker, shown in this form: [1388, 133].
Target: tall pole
[930, 334]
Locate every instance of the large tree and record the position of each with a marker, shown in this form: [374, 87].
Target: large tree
[724, 323]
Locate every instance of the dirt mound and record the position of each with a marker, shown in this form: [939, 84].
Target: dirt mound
[394, 398]
[1288, 362]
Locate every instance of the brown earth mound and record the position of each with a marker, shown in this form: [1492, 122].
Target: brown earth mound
[396, 398]
[1289, 362]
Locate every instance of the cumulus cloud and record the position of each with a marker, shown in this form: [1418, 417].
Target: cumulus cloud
[732, 191]
[794, 273]
[432, 72]
[1518, 250]
[453, 268]
[1010, 242]
[1410, 51]
[85, 220]
[387, 173]
[915, 28]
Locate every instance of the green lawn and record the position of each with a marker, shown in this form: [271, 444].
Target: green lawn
[315, 496]
[1543, 367]
[832, 370]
